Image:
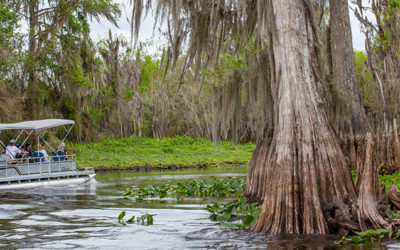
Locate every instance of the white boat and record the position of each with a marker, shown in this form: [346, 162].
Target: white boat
[57, 169]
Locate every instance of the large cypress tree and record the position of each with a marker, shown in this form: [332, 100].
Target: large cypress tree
[299, 172]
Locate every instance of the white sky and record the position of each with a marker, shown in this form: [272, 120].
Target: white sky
[100, 30]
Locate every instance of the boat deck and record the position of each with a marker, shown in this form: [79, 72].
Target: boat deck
[47, 173]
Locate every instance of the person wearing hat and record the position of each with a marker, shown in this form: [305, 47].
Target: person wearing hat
[12, 150]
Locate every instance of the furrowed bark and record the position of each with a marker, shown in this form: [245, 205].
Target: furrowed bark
[394, 196]
[368, 212]
[304, 169]
[396, 146]
[388, 149]
[344, 70]
[349, 111]
[256, 177]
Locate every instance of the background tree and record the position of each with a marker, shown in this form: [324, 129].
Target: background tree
[350, 114]
[11, 55]
[47, 21]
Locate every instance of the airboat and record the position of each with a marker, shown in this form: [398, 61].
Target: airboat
[56, 169]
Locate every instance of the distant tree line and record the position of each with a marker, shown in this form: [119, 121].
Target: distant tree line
[50, 67]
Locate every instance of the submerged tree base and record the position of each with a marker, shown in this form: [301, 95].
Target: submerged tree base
[365, 209]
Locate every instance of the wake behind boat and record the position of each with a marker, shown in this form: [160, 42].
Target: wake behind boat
[39, 169]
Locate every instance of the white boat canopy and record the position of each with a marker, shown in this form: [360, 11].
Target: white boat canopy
[37, 124]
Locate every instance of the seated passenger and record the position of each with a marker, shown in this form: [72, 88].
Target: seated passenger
[28, 148]
[13, 151]
[61, 148]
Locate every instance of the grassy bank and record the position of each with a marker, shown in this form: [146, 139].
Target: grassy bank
[149, 152]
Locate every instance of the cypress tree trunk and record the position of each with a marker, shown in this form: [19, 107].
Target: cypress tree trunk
[350, 113]
[343, 65]
[303, 168]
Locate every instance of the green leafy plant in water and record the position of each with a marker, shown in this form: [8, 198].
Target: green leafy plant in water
[238, 213]
[121, 217]
[364, 236]
[371, 233]
[353, 239]
[214, 187]
[131, 220]
[397, 234]
[146, 219]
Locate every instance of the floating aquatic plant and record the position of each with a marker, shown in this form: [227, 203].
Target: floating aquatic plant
[238, 213]
[228, 187]
[365, 236]
[145, 219]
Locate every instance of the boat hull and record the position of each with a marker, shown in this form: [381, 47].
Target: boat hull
[55, 179]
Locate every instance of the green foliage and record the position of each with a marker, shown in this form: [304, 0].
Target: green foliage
[394, 4]
[229, 62]
[175, 151]
[74, 73]
[372, 233]
[393, 179]
[8, 25]
[148, 73]
[97, 114]
[397, 234]
[386, 40]
[214, 187]
[145, 219]
[368, 235]
[68, 108]
[238, 213]
[11, 41]
[131, 220]
[395, 214]
[121, 216]
[341, 241]
[127, 95]
[368, 87]
[357, 239]
[97, 8]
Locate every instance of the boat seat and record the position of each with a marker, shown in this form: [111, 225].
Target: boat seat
[3, 162]
[58, 156]
[39, 157]
[4, 159]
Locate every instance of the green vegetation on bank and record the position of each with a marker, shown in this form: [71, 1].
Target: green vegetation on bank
[150, 152]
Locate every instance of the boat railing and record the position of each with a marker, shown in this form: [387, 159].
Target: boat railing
[39, 165]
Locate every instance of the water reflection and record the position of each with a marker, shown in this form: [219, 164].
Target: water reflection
[86, 217]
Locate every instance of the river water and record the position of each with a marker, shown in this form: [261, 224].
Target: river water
[85, 217]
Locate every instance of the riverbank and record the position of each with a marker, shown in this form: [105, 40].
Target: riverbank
[139, 153]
